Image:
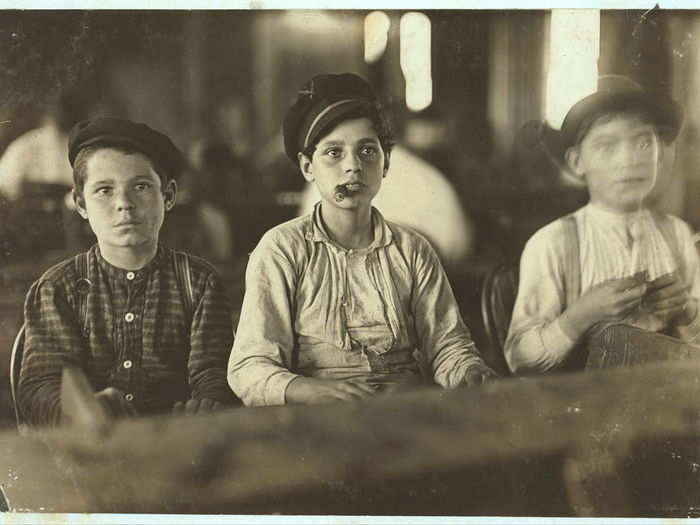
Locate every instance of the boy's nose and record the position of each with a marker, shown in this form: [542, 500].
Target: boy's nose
[352, 163]
[124, 201]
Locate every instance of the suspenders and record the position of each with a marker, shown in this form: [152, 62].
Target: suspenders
[183, 276]
[184, 283]
[572, 279]
[572, 282]
[83, 285]
[665, 225]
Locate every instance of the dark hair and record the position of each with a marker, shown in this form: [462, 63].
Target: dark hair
[372, 111]
[81, 160]
[604, 117]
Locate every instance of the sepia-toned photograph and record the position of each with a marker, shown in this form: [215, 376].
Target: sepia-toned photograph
[350, 263]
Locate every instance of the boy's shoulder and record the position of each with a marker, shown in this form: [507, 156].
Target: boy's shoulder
[662, 217]
[197, 264]
[297, 228]
[61, 273]
[559, 232]
[407, 238]
[287, 236]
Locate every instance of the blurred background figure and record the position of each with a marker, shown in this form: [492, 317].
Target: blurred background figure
[426, 134]
[36, 178]
[197, 223]
[38, 157]
[233, 122]
[228, 184]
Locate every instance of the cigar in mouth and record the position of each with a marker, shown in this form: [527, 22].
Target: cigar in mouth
[345, 190]
[341, 191]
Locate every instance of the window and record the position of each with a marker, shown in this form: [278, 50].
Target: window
[415, 60]
[572, 73]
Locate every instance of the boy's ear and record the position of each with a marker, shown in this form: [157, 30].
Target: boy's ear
[79, 201]
[306, 167]
[170, 194]
[573, 161]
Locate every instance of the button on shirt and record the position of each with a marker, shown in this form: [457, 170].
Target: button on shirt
[138, 338]
[312, 308]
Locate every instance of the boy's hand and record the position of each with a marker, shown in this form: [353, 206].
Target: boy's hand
[115, 403]
[609, 301]
[669, 298]
[196, 406]
[479, 374]
[310, 391]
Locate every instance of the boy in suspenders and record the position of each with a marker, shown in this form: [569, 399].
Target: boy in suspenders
[150, 327]
[614, 259]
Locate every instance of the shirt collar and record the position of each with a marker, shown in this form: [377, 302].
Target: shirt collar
[604, 216]
[120, 274]
[317, 233]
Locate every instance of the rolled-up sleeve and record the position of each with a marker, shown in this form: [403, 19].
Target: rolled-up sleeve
[259, 365]
[536, 341]
[52, 340]
[444, 338]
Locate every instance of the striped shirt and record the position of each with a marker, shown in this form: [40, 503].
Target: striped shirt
[137, 336]
[611, 246]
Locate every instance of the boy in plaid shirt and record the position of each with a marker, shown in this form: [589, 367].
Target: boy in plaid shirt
[118, 310]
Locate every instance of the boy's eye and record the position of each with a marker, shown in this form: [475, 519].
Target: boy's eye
[368, 151]
[142, 186]
[644, 143]
[605, 147]
[103, 190]
[333, 152]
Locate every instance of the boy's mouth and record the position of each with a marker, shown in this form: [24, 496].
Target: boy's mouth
[633, 180]
[345, 190]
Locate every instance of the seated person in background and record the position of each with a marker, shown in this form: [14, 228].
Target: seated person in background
[119, 311]
[39, 155]
[340, 303]
[613, 259]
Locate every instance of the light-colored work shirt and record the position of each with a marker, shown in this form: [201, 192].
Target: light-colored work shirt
[611, 246]
[313, 308]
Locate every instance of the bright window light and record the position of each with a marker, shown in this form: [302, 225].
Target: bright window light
[377, 25]
[415, 60]
[574, 47]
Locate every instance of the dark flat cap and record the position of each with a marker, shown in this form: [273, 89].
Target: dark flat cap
[118, 132]
[618, 93]
[323, 100]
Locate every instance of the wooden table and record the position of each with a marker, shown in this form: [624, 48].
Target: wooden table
[616, 442]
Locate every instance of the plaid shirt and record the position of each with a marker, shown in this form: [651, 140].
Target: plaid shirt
[136, 340]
